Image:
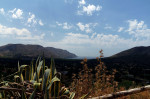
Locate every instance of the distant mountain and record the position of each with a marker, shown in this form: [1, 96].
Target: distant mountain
[20, 50]
[138, 54]
[136, 51]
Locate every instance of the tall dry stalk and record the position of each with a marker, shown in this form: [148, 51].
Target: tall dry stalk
[87, 84]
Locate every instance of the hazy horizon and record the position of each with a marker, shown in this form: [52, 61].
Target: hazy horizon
[82, 27]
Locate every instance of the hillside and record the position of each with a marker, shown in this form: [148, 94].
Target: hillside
[137, 54]
[20, 50]
[136, 51]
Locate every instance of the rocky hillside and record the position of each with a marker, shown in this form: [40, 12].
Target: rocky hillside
[136, 51]
[137, 54]
[20, 50]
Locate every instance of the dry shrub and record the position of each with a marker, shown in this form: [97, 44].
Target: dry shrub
[83, 83]
[91, 85]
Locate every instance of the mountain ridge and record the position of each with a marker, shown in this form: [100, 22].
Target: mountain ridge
[135, 51]
[29, 50]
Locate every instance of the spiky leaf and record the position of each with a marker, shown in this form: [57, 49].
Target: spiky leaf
[45, 79]
[54, 91]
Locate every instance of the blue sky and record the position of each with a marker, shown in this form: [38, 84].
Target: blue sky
[82, 27]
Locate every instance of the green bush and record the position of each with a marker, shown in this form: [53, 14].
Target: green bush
[34, 81]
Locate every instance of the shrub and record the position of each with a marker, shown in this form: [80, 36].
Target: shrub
[32, 82]
[87, 84]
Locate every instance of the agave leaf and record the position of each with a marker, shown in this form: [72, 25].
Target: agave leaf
[33, 81]
[33, 94]
[53, 69]
[43, 67]
[2, 95]
[17, 78]
[27, 73]
[56, 88]
[37, 85]
[84, 96]
[46, 67]
[18, 67]
[34, 77]
[39, 66]
[22, 67]
[66, 92]
[45, 79]
[40, 80]
[72, 94]
[58, 75]
[37, 62]
[22, 78]
[39, 69]
[31, 71]
[37, 73]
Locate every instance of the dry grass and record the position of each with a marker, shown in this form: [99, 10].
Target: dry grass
[91, 85]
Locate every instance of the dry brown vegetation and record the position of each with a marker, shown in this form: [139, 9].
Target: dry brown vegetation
[101, 82]
[86, 84]
[89, 84]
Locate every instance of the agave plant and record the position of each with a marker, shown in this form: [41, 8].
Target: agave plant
[35, 81]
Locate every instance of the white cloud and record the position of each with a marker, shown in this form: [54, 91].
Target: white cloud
[12, 11]
[82, 2]
[10, 31]
[2, 11]
[31, 21]
[79, 43]
[120, 29]
[95, 39]
[41, 23]
[31, 18]
[135, 25]
[30, 37]
[89, 9]
[88, 30]
[16, 13]
[93, 35]
[139, 30]
[75, 38]
[78, 35]
[86, 27]
[18, 33]
[64, 25]
[81, 26]
[59, 24]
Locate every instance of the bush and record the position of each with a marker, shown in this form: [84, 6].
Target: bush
[87, 84]
[32, 82]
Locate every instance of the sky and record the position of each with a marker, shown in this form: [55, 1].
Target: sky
[83, 27]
